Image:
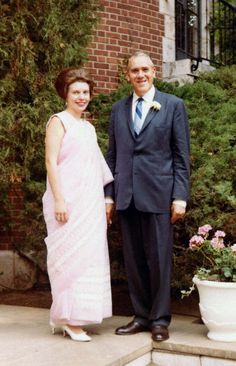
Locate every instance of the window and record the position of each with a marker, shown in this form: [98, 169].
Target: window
[222, 29]
[187, 29]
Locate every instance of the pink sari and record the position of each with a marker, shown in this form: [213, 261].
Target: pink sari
[77, 251]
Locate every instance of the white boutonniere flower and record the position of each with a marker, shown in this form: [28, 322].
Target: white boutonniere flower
[155, 105]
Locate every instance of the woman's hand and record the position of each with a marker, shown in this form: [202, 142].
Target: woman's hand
[61, 213]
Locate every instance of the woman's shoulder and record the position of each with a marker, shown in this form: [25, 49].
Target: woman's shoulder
[61, 115]
[57, 116]
[58, 119]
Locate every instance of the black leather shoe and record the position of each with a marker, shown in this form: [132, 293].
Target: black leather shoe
[160, 333]
[131, 328]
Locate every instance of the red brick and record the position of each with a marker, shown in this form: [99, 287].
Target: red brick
[101, 33]
[100, 78]
[112, 35]
[5, 246]
[111, 73]
[112, 60]
[124, 28]
[112, 10]
[101, 46]
[101, 39]
[114, 41]
[101, 65]
[113, 22]
[114, 80]
[92, 58]
[111, 86]
[113, 48]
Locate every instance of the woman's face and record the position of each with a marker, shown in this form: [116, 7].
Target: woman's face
[78, 96]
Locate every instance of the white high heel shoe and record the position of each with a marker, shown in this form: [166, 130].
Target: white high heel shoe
[80, 337]
[54, 327]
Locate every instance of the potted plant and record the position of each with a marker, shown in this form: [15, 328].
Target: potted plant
[215, 279]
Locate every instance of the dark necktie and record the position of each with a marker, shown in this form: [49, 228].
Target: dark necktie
[138, 115]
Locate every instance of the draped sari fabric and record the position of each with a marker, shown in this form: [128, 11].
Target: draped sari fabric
[77, 251]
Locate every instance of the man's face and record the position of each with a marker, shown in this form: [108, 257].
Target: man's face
[140, 74]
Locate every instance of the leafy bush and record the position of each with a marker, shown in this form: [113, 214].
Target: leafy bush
[39, 38]
[36, 43]
[211, 106]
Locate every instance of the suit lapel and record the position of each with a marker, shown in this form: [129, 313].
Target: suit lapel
[128, 112]
[152, 112]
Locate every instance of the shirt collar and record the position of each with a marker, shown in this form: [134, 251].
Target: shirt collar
[148, 97]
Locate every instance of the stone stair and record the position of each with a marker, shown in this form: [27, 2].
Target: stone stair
[26, 341]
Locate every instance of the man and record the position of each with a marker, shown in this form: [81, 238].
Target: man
[148, 155]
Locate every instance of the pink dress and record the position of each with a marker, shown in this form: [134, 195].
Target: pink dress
[77, 251]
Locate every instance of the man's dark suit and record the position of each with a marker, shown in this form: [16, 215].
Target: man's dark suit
[150, 171]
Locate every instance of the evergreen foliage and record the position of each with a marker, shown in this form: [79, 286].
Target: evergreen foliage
[211, 107]
[38, 38]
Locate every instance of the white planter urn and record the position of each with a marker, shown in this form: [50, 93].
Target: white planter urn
[218, 308]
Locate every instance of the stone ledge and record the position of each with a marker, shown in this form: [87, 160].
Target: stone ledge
[26, 340]
[18, 272]
[173, 359]
[189, 336]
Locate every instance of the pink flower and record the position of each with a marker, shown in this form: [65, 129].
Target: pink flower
[217, 243]
[220, 234]
[203, 230]
[196, 241]
[233, 247]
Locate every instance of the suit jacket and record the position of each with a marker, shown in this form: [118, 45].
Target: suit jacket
[152, 168]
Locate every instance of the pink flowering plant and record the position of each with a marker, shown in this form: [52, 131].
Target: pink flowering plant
[214, 259]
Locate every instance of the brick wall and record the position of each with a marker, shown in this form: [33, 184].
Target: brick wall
[125, 27]
[9, 236]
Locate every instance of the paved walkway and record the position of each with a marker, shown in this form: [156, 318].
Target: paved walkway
[25, 340]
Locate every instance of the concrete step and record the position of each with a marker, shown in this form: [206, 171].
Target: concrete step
[26, 340]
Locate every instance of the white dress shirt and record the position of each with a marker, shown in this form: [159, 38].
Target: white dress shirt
[147, 101]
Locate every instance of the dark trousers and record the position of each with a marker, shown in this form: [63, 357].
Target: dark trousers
[147, 247]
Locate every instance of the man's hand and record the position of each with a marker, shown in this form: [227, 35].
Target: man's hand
[177, 213]
[109, 212]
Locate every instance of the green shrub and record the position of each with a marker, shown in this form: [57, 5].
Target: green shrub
[36, 43]
[39, 38]
[211, 107]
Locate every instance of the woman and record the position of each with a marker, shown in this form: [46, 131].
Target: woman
[74, 212]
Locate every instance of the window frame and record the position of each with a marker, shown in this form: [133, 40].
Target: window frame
[183, 42]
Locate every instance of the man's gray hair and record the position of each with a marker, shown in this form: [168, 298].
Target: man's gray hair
[138, 54]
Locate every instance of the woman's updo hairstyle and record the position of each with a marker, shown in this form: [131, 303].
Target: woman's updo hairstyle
[69, 76]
